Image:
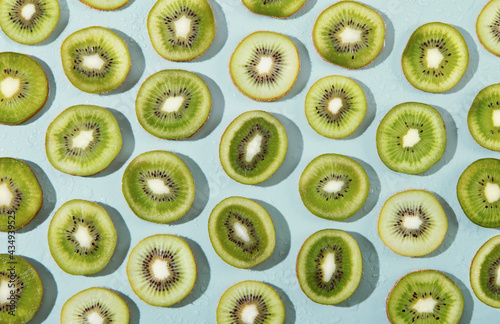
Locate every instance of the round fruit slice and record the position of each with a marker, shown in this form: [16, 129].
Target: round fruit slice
[425, 296]
[411, 138]
[335, 106]
[21, 290]
[158, 187]
[250, 302]
[29, 22]
[484, 273]
[412, 223]
[83, 140]
[265, 65]
[95, 59]
[253, 147]
[82, 237]
[105, 4]
[487, 27]
[181, 30]
[484, 118]
[161, 270]
[349, 34]
[329, 266]
[334, 186]
[23, 88]
[242, 232]
[20, 194]
[478, 192]
[173, 104]
[273, 8]
[435, 58]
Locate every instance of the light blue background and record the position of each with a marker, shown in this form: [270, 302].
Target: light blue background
[384, 85]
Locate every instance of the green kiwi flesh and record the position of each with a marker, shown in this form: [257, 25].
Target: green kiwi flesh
[242, 232]
[250, 302]
[349, 34]
[82, 237]
[411, 138]
[173, 104]
[484, 272]
[181, 30]
[425, 296]
[158, 187]
[20, 282]
[105, 4]
[329, 266]
[487, 27]
[83, 140]
[95, 59]
[484, 118]
[335, 106]
[161, 270]
[435, 58]
[253, 147]
[23, 88]
[274, 8]
[412, 223]
[29, 22]
[333, 186]
[265, 65]
[20, 194]
[478, 192]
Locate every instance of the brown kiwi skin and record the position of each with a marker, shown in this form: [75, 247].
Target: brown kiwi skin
[477, 31]
[283, 17]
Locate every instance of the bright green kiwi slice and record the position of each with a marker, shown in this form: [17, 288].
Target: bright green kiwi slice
[20, 194]
[105, 4]
[82, 237]
[487, 25]
[242, 232]
[412, 223]
[173, 104]
[265, 65]
[435, 58]
[158, 187]
[411, 138]
[274, 8]
[333, 186]
[329, 266]
[253, 147]
[335, 106]
[425, 296]
[250, 302]
[161, 270]
[484, 118]
[478, 192]
[21, 290]
[95, 59]
[484, 273]
[23, 87]
[181, 30]
[29, 22]
[349, 34]
[83, 140]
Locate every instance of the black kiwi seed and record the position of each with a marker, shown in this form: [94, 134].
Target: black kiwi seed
[76, 151]
[16, 17]
[254, 60]
[250, 247]
[92, 232]
[494, 26]
[158, 111]
[441, 45]
[159, 174]
[407, 211]
[195, 25]
[18, 285]
[90, 50]
[169, 258]
[245, 300]
[322, 107]
[337, 276]
[243, 143]
[22, 86]
[342, 47]
[334, 177]
[15, 201]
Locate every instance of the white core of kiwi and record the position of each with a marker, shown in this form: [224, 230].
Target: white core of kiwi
[93, 61]
[182, 27]
[496, 117]
[160, 269]
[172, 104]
[333, 186]
[6, 195]
[411, 138]
[328, 267]
[335, 105]
[412, 222]
[10, 86]
[28, 11]
[95, 318]
[265, 65]
[83, 139]
[158, 186]
[497, 279]
[492, 192]
[425, 305]
[83, 236]
[4, 292]
[350, 35]
[253, 147]
[249, 313]
[241, 231]
[434, 58]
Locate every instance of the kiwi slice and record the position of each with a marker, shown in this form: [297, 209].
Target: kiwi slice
[487, 25]
[242, 232]
[349, 34]
[173, 104]
[253, 147]
[329, 266]
[83, 140]
[478, 192]
[335, 106]
[411, 138]
[250, 302]
[435, 58]
[95, 305]
[412, 223]
[20, 194]
[274, 8]
[105, 4]
[181, 30]
[265, 65]
[23, 88]
[333, 186]
[484, 272]
[29, 22]
[425, 296]
[95, 59]
[484, 118]
[158, 187]
[161, 270]
[21, 290]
